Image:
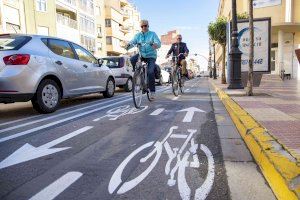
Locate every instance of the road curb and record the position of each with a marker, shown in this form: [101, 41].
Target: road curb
[280, 169]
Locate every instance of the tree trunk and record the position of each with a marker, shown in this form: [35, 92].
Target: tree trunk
[249, 91]
[223, 64]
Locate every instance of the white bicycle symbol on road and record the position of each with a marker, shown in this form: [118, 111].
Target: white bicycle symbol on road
[182, 158]
[115, 113]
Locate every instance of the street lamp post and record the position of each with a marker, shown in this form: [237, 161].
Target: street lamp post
[209, 62]
[215, 67]
[235, 54]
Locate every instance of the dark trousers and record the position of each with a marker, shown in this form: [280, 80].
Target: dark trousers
[151, 68]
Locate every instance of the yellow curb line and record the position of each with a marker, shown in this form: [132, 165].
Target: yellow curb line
[277, 165]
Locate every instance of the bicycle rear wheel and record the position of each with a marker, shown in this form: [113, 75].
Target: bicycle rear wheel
[137, 89]
[175, 84]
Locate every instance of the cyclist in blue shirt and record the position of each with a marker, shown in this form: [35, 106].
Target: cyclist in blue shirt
[148, 52]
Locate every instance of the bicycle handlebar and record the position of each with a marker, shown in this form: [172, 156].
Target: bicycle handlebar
[178, 55]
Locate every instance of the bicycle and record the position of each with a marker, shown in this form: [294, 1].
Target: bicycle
[177, 80]
[140, 80]
[180, 155]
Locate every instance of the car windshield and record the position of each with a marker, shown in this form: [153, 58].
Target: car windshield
[10, 42]
[112, 62]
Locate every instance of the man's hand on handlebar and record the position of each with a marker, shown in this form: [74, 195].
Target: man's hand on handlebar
[154, 46]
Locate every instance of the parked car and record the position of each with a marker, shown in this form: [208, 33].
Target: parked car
[122, 70]
[46, 69]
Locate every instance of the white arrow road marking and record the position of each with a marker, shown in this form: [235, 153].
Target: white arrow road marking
[57, 187]
[157, 112]
[190, 113]
[28, 152]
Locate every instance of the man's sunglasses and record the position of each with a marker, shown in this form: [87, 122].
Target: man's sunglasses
[144, 26]
[179, 38]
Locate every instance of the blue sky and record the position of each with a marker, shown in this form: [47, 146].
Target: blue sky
[190, 17]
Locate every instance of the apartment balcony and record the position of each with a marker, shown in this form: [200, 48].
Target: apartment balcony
[66, 21]
[67, 28]
[124, 3]
[67, 5]
[125, 29]
[125, 15]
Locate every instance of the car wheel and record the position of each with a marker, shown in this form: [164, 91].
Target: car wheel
[47, 97]
[128, 85]
[110, 88]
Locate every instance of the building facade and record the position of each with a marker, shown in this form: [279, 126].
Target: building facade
[285, 36]
[122, 23]
[101, 26]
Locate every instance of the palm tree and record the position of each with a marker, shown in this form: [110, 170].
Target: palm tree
[217, 32]
[249, 90]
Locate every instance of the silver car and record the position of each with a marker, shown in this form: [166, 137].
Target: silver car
[46, 69]
[122, 69]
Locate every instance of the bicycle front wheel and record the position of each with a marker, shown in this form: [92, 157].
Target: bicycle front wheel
[137, 89]
[175, 85]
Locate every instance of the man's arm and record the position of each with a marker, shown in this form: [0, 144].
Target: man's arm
[156, 42]
[170, 51]
[186, 50]
[132, 42]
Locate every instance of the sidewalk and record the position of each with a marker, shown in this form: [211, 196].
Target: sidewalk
[276, 108]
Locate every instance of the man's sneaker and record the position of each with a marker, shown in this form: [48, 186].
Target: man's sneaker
[152, 95]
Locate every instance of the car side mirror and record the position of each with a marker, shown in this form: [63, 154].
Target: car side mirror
[100, 61]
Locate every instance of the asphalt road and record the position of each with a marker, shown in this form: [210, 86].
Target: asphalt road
[95, 148]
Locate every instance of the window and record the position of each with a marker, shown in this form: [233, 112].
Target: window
[108, 40]
[42, 30]
[88, 42]
[61, 48]
[99, 32]
[98, 10]
[84, 55]
[41, 5]
[112, 62]
[10, 42]
[107, 23]
[87, 24]
[99, 46]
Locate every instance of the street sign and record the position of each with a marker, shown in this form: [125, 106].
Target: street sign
[262, 44]
[265, 3]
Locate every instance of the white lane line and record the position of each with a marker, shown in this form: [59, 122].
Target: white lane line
[58, 115]
[157, 111]
[60, 110]
[57, 187]
[4, 139]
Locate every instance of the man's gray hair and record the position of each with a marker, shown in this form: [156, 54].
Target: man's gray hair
[144, 22]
